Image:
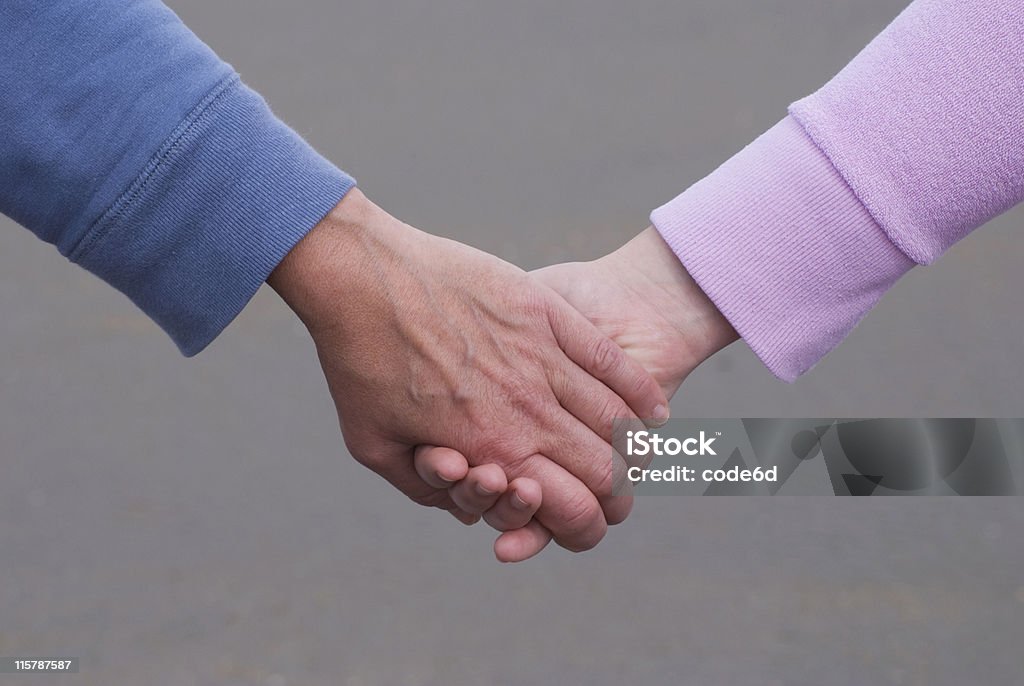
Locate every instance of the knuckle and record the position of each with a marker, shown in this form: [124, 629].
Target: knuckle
[612, 410]
[642, 384]
[496, 520]
[605, 357]
[580, 518]
[582, 544]
[470, 504]
[530, 398]
[603, 479]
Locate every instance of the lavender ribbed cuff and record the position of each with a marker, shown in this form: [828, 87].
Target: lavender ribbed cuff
[783, 247]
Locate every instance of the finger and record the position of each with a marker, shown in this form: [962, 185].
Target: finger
[480, 489]
[582, 453]
[522, 544]
[443, 467]
[440, 467]
[593, 403]
[616, 508]
[599, 417]
[463, 516]
[516, 507]
[603, 359]
[568, 510]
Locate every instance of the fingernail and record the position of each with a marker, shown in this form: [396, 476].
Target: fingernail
[484, 491]
[660, 415]
[518, 502]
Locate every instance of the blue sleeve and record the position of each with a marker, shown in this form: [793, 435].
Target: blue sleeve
[127, 143]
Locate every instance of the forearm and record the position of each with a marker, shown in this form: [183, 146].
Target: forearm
[916, 143]
[134, 149]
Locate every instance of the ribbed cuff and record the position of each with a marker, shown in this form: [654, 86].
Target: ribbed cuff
[782, 246]
[228, 195]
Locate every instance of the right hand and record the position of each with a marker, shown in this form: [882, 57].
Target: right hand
[642, 297]
[425, 341]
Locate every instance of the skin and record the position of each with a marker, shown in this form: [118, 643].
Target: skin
[424, 341]
[643, 298]
[477, 491]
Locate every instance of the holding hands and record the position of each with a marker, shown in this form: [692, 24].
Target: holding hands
[427, 342]
[475, 387]
[641, 297]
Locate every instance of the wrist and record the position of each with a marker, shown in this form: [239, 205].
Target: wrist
[325, 269]
[647, 259]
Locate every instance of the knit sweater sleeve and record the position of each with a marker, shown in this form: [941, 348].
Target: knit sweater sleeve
[127, 143]
[914, 144]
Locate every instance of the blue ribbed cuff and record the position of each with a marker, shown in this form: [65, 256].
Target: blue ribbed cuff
[217, 208]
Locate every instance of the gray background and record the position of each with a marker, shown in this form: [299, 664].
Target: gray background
[197, 521]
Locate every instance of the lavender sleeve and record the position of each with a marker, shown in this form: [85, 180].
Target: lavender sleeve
[914, 144]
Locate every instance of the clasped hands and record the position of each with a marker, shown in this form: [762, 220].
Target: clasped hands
[478, 388]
